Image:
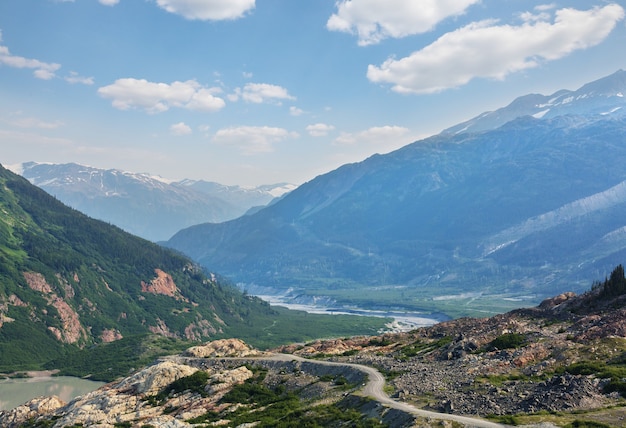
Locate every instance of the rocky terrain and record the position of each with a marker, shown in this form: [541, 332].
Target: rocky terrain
[560, 363]
[552, 358]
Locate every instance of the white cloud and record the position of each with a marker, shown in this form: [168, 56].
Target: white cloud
[319, 129]
[31, 122]
[375, 135]
[253, 139]
[543, 14]
[180, 129]
[109, 2]
[259, 93]
[484, 49]
[158, 97]
[295, 111]
[375, 20]
[75, 78]
[43, 70]
[208, 10]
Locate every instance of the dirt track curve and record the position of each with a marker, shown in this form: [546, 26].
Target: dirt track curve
[374, 389]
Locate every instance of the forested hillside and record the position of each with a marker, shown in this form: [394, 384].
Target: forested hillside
[68, 282]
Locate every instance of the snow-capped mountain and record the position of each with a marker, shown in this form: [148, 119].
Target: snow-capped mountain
[603, 97]
[146, 205]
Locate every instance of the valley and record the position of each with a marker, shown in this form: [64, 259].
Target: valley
[470, 222]
[456, 272]
[305, 214]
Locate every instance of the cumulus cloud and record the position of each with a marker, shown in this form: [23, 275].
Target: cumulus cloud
[376, 135]
[42, 70]
[295, 111]
[154, 97]
[259, 93]
[319, 129]
[252, 139]
[486, 49]
[180, 129]
[109, 2]
[375, 20]
[208, 10]
[76, 78]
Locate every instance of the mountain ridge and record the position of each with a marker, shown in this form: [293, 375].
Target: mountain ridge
[146, 205]
[604, 96]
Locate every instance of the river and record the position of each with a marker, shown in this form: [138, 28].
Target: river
[14, 392]
[402, 321]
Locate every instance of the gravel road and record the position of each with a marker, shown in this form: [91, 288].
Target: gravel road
[374, 389]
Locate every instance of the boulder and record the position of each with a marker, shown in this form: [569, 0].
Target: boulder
[33, 409]
[222, 348]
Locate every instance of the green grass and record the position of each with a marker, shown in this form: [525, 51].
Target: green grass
[275, 407]
[507, 341]
[109, 361]
[286, 326]
[614, 370]
[419, 347]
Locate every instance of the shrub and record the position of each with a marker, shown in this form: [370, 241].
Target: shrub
[586, 424]
[507, 341]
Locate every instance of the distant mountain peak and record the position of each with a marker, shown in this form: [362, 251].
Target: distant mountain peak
[145, 204]
[605, 97]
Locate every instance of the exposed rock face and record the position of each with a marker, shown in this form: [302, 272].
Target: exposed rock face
[163, 284]
[110, 335]
[221, 348]
[161, 329]
[71, 330]
[152, 379]
[37, 282]
[556, 301]
[32, 409]
[199, 329]
[222, 381]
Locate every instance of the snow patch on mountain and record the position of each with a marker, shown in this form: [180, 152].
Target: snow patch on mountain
[600, 201]
[602, 97]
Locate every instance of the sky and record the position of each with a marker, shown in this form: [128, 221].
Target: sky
[251, 92]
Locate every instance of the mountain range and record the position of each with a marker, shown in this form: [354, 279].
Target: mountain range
[514, 205]
[145, 205]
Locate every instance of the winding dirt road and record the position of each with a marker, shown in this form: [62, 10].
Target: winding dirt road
[374, 389]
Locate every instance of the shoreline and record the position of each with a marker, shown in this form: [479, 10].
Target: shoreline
[29, 374]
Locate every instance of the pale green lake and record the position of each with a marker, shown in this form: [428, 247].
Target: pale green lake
[14, 392]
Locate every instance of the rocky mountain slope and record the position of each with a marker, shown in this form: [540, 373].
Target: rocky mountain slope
[524, 211]
[562, 363]
[144, 205]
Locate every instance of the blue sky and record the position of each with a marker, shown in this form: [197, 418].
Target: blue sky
[254, 92]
